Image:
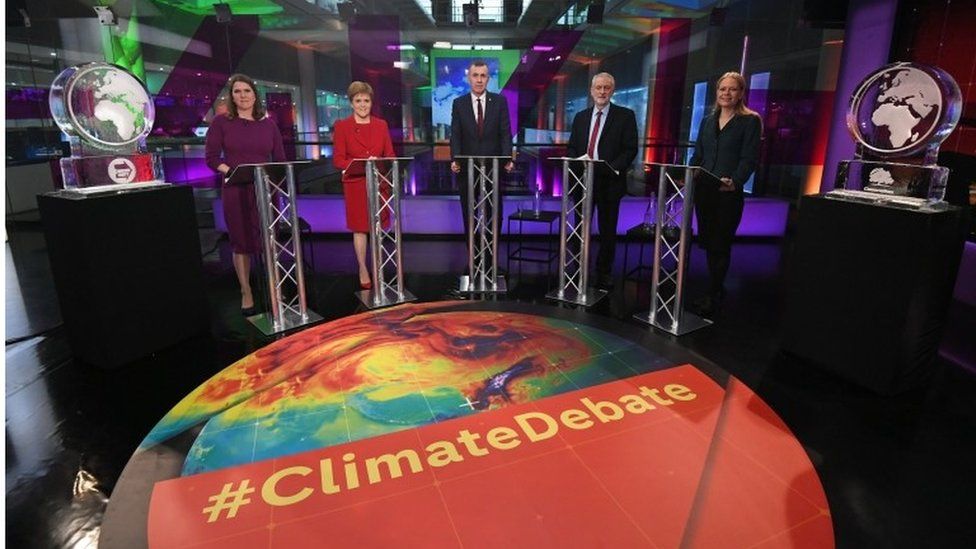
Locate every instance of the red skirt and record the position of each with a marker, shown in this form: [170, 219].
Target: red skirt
[357, 212]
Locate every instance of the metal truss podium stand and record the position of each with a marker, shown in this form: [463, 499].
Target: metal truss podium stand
[574, 235]
[671, 250]
[483, 211]
[274, 185]
[383, 198]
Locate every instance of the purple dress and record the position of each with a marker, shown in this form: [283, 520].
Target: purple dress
[235, 142]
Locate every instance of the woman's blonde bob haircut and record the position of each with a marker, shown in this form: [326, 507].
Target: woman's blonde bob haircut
[357, 88]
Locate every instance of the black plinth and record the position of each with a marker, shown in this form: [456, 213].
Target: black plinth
[869, 289]
[127, 270]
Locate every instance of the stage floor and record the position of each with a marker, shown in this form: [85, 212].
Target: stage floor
[469, 424]
[485, 394]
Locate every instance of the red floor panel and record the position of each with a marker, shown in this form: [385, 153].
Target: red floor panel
[703, 467]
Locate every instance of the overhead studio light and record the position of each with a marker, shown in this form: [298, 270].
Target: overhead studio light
[106, 16]
[470, 12]
[223, 12]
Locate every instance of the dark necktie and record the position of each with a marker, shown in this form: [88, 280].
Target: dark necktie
[593, 134]
[481, 118]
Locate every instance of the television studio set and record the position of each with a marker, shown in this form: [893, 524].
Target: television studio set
[490, 273]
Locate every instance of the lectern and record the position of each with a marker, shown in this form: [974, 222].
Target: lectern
[672, 236]
[574, 234]
[274, 185]
[483, 206]
[383, 205]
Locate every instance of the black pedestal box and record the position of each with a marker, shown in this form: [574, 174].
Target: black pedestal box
[869, 289]
[128, 271]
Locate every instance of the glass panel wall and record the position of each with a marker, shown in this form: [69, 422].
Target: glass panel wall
[664, 56]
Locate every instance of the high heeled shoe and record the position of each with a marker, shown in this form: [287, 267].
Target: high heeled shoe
[368, 285]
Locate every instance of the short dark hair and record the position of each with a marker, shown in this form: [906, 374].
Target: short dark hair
[477, 63]
[259, 111]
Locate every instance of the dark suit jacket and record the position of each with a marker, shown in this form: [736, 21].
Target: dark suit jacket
[733, 152]
[495, 140]
[617, 145]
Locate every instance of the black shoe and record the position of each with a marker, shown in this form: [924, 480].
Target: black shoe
[249, 311]
[706, 306]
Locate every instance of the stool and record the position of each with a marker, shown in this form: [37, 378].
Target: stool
[542, 255]
[643, 234]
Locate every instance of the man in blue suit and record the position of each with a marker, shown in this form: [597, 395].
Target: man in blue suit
[605, 132]
[479, 127]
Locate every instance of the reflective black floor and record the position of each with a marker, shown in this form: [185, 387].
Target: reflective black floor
[897, 471]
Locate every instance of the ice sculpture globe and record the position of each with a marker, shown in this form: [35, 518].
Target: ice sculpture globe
[106, 112]
[904, 109]
[898, 116]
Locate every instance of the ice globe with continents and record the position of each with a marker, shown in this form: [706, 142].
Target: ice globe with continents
[103, 104]
[904, 108]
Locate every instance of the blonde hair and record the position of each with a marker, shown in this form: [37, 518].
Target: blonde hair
[357, 88]
[740, 107]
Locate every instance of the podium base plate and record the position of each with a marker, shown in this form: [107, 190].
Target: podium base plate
[468, 286]
[687, 323]
[374, 299]
[586, 298]
[264, 322]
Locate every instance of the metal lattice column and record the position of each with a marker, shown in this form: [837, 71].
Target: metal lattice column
[282, 253]
[383, 198]
[574, 236]
[483, 211]
[675, 204]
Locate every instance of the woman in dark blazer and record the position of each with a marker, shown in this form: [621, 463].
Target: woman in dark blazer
[727, 146]
[360, 136]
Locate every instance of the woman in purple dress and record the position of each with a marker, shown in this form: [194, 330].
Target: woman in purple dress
[245, 135]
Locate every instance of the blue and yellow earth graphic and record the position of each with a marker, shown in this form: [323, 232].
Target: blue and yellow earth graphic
[386, 371]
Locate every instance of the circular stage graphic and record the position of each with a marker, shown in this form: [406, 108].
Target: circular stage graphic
[469, 424]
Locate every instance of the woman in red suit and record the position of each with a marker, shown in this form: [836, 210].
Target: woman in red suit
[360, 136]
